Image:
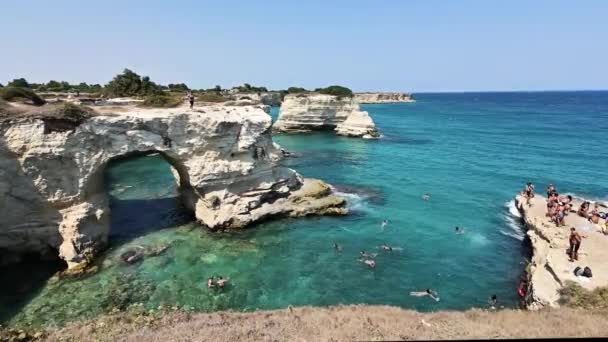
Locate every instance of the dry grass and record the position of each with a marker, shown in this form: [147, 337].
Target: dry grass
[339, 323]
[575, 296]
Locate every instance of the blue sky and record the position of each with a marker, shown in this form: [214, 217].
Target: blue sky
[413, 46]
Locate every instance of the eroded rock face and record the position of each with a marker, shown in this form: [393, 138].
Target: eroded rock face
[383, 97]
[52, 190]
[308, 112]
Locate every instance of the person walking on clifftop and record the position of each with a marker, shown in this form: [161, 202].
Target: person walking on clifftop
[190, 99]
[575, 244]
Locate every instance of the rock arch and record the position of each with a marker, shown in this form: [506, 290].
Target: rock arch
[225, 178]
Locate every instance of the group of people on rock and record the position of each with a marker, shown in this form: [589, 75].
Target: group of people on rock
[558, 207]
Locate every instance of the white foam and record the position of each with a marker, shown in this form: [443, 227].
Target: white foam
[513, 221]
[354, 201]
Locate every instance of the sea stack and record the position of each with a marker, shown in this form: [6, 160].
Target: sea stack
[313, 112]
[52, 173]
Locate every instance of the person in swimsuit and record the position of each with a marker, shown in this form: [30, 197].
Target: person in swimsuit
[558, 215]
[529, 190]
[582, 210]
[426, 196]
[386, 247]
[566, 202]
[459, 230]
[428, 292]
[337, 247]
[384, 223]
[575, 244]
[493, 301]
[369, 262]
[221, 282]
[550, 190]
[364, 254]
[210, 283]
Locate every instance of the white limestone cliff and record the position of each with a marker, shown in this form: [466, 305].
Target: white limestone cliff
[309, 112]
[52, 194]
[383, 97]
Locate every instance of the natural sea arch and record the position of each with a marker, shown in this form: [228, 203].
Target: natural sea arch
[146, 191]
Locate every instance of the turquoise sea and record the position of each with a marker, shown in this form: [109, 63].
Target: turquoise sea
[472, 152]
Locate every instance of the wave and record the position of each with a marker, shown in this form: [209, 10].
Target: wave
[512, 218]
[355, 202]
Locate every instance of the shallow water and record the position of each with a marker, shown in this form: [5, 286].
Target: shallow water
[471, 152]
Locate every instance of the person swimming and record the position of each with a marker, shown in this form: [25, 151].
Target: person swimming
[386, 247]
[493, 302]
[221, 282]
[364, 254]
[384, 223]
[426, 196]
[210, 283]
[459, 230]
[337, 247]
[428, 292]
[368, 262]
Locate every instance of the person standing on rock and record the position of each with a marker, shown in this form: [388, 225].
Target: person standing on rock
[575, 244]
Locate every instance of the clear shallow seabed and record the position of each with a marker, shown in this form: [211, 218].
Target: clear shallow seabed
[471, 152]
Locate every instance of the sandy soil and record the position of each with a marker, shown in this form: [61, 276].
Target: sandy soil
[339, 324]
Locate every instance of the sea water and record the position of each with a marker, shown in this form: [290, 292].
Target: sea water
[470, 152]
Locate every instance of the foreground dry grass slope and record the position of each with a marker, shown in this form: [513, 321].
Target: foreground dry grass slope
[339, 324]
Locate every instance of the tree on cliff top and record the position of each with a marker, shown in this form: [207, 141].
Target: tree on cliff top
[296, 90]
[336, 90]
[131, 84]
[178, 87]
[18, 83]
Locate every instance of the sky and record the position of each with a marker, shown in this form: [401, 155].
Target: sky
[412, 46]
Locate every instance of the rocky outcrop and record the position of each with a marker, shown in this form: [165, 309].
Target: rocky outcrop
[271, 98]
[365, 98]
[309, 112]
[52, 192]
[549, 269]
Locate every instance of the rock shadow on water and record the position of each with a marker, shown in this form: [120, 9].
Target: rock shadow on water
[134, 218]
[18, 287]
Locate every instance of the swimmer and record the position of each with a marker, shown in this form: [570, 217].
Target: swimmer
[221, 282]
[428, 292]
[386, 247]
[210, 283]
[493, 301]
[337, 247]
[426, 196]
[364, 254]
[368, 262]
[459, 230]
[384, 223]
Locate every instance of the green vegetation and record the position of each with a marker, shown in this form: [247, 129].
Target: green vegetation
[131, 84]
[296, 90]
[12, 94]
[18, 83]
[248, 88]
[162, 101]
[211, 97]
[180, 87]
[336, 90]
[575, 296]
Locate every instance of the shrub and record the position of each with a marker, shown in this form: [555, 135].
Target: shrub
[336, 90]
[295, 90]
[162, 101]
[131, 84]
[19, 83]
[12, 94]
[574, 295]
[211, 97]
